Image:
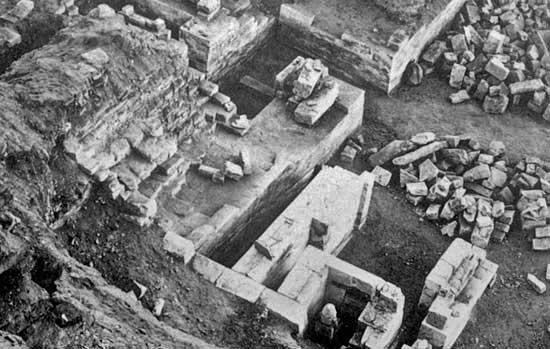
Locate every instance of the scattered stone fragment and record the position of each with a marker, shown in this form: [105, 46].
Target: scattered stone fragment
[457, 75]
[449, 229]
[417, 189]
[459, 97]
[537, 285]
[382, 176]
[246, 161]
[159, 306]
[232, 171]
[348, 154]
[432, 213]
[427, 170]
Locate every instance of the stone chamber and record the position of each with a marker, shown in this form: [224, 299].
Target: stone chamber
[170, 177]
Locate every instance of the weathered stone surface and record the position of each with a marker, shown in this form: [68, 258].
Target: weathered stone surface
[526, 86]
[311, 110]
[382, 175]
[495, 104]
[417, 189]
[179, 246]
[390, 151]
[420, 153]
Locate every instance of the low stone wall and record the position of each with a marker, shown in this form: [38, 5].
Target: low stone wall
[451, 291]
[291, 170]
[324, 200]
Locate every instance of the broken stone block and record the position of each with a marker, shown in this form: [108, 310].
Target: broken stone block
[208, 88]
[537, 285]
[434, 52]
[419, 153]
[494, 42]
[498, 209]
[406, 177]
[246, 161]
[382, 176]
[179, 246]
[497, 69]
[390, 151]
[127, 10]
[417, 189]
[459, 97]
[457, 75]
[423, 138]
[427, 170]
[208, 6]
[96, 57]
[432, 213]
[141, 205]
[542, 232]
[495, 104]
[449, 229]
[311, 110]
[207, 171]
[482, 231]
[541, 244]
[348, 154]
[482, 90]
[458, 43]
[455, 156]
[232, 171]
[526, 86]
[477, 173]
[102, 11]
[485, 159]
[310, 74]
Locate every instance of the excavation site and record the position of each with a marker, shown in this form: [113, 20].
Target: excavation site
[344, 174]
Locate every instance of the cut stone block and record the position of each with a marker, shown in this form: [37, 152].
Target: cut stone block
[179, 246]
[295, 16]
[497, 69]
[312, 109]
[233, 171]
[285, 308]
[542, 232]
[240, 285]
[417, 189]
[427, 171]
[382, 176]
[419, 153]
[537, 285]
[457, 75]
[526, 86]
[541, 244]
[207, 268]
[390, 151]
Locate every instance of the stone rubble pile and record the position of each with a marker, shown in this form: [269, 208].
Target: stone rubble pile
[234, 170]
[472, 192]
[497, 53]
[309, 90]
[222, 110]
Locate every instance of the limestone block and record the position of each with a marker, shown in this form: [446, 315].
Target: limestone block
[179, 246]
[294, 15]
[285, 308]
[542, 232]
[427, 171]
[390, 151]
[232, 171]
[494, 42]
[224, 216]
[537, 285]
[541, 244]
[382, 176]
[207, 268]
[457, 75]
[419, 153]
[496, 68]
[417, 189]
[526, 86]
[240, 285]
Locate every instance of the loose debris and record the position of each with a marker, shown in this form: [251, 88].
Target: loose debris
[496, 53]
[470, 191]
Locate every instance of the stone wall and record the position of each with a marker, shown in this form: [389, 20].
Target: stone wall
[217, 46]
[364, 62]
